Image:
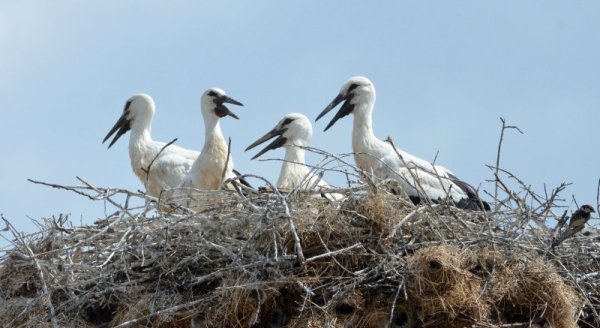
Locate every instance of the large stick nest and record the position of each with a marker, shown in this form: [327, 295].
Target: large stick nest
[266, 260]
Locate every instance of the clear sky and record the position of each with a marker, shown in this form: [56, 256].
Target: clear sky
[445, 72]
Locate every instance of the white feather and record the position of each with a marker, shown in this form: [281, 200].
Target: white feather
[170, 165]
[379, 159]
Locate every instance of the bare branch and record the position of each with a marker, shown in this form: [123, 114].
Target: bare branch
[147, 170]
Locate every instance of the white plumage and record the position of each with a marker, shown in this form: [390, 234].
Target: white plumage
[418, 177]
[169, 166]
[207, 171]
[293, 132]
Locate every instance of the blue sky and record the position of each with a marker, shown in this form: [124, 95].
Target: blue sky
[445, 71]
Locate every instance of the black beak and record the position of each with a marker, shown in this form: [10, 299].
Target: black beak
[280, 141]
[123, 125]
[225, 99]
[346, 109]
[223, 111]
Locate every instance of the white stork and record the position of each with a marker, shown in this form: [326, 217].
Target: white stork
[158, 167]
[418, 177]
[294, 132]
[207, 171]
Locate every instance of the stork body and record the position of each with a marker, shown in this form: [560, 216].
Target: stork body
[294, 132]
[208, 169]
[381, 161]
[158, 167]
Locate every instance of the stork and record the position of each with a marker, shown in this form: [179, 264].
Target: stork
[158, 167]
[293, 132]
[207, 171]
[382, 161]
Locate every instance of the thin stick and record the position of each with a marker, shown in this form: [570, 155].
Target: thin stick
[297, 245]
[160, 312]
[395, 300]
[401, 222]
[504, 127]
[119, 244]
[334, 253]
[147, 170]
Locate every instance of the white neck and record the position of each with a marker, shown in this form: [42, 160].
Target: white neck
[140, 136]
[293, 169]
[212, 132]
[362, 131]
[141, 151]
[368, 149]
[207, 170]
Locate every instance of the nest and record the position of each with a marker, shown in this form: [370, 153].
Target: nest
[270, 260]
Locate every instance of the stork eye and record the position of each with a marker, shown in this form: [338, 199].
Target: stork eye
[352, 87]
[287, 121]
[127, 105]
[212, 94]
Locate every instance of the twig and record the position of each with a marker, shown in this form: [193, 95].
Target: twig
[504, 127]
[398, 289]
[123, 238]
[333, 253]
[57, 186]
[147, 170]
[297, 245]
[368, 179]
[588, 276]
[401, 222]
[160, 312]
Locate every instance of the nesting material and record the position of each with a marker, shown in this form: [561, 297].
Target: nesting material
[442, 286]
[265, 260]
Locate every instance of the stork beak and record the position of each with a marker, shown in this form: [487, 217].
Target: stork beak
[223, 111]
[346, 109]
[280, 141]
[123, 125]
[225, 99]
[338, 99]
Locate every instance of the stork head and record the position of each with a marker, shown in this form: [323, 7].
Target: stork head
[356, 90]
[137, 114]
[293, 129]
[212, 104]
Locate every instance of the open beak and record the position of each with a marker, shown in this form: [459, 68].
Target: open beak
[280, 141]
[346, 109]
[121, 127]
[223, 111]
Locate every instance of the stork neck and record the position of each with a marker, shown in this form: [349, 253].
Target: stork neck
[293, 154]
[212, 131]
[293, 169]
[362, 131]
[139, 136]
